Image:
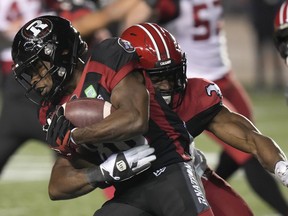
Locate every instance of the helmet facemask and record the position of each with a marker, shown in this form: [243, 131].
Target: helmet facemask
[176, 76]
[45, 57]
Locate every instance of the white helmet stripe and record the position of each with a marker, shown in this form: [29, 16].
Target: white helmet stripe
[163, 41]
[286, 15]
[154, 42]
[283, 17]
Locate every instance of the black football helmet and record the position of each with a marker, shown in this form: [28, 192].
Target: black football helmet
[160, 55]
[49, 39]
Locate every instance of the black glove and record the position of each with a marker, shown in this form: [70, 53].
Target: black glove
[59, 134]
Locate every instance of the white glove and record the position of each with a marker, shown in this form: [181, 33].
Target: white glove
[125, 165]
[281, 171]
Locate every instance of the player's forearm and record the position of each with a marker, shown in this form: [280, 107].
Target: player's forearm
[268, 152]
[69, 187]
[89, 23]
[240, 133]
[66, 182]
[142, 12]
[116, 11]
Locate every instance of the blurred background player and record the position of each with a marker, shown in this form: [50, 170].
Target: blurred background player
[16, 127]
[261, 14]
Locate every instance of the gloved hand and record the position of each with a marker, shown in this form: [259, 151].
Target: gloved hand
[122, 166]
[281, 171]
[59, 134]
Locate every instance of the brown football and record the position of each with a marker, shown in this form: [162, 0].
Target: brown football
[86, 111]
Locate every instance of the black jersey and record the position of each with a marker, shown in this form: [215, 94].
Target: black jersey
[109, 63]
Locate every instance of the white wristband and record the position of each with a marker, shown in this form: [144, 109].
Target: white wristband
[281, 171]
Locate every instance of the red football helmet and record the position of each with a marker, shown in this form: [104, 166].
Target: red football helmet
[281, 30]
[160, 55]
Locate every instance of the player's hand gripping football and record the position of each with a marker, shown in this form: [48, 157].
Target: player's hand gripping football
[281, 172]
[124, 165]
[59, 134]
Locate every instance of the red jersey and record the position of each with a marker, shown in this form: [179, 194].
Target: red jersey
[202, 101]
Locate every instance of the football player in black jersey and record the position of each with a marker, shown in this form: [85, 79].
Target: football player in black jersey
[199, 103]
[47, 55]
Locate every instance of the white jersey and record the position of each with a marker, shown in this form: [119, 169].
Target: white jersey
[198, 29]
[13, 14]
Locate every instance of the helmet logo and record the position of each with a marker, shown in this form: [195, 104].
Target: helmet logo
[163, 63]
[126, 45]
[37, 29]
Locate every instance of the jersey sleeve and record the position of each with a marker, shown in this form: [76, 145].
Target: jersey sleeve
[203, 103]
[205, 93]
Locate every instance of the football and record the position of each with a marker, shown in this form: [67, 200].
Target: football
[86, 111]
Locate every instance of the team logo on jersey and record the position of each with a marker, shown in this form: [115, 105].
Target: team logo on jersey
[126, 45]
[90, 92]
[213, 87]
[159, 171]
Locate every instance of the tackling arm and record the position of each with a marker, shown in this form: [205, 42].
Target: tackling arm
[93, 21]
[76, 177]
[237, 131]
[66, 181]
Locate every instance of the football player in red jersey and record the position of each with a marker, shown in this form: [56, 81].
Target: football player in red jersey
[201, 37]
[47, 55]
[199, 103]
